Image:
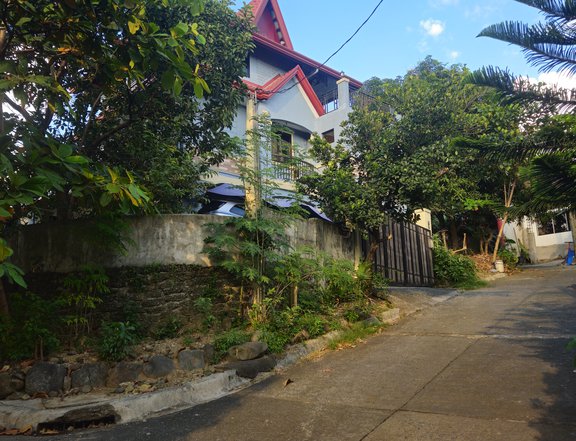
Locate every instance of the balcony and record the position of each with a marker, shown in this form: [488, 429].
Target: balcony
[330, 101]
[289, 169]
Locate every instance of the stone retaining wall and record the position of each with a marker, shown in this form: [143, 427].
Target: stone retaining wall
[155, 294]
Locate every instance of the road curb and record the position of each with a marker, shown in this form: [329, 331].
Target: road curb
[32, 413]
[125, 409]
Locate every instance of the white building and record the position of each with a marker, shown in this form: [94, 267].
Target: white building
[544, 241]
[296, 92]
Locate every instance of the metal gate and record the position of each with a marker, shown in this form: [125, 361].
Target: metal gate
[404, 254]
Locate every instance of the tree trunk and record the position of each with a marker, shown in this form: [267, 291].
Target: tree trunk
[454, 235]
[499, 238]
[374, 245]
[508, 195]
[294, 299]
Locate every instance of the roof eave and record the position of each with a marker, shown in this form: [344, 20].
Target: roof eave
[259, 39]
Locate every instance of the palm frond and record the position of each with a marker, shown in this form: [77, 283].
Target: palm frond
[516, 89]
[555, 10]
[552, 180]
[547, 46]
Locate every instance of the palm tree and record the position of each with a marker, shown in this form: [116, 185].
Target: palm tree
[550, 46]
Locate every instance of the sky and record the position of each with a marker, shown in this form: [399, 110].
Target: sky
[404, 32]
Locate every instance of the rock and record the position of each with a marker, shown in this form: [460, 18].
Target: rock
[372, 321]
[25, 397]
[158, 366]
[6, 388]
[53, 394]
[45, 377]
[15, 396]
[92, 375]
[190, 360]
[208, 353]
[249, 368]
[124, 372]
[86, 389]
[19, 375]
[17, 383]
[248, 351]
[119, 390]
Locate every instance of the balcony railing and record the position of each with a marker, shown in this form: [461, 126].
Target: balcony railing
[360, 99]
[289, 169]
[330, 101]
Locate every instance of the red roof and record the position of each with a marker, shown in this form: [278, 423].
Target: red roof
[270, 22]
[272, 87]
[273, 33]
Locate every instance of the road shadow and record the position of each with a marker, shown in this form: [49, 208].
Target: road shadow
[543, 324]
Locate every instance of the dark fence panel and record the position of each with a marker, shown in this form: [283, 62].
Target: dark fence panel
[404, 254]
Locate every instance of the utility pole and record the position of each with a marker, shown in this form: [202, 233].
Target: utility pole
[252, 187]
[252, 180]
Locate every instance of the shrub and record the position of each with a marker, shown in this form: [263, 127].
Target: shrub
[227, 339]
[314, 324]
[454, 269]
[83, 292]
[275, 339]
[205, 307]
[116, 340]
[168, 329]
[282, 326]
[356, 311]
[509, 258]
[31, 329]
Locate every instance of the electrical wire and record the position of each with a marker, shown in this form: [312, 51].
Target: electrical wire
[307, 77]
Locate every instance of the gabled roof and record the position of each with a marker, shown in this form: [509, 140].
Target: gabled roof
[271, 32]
[276, 84]
[270, 22]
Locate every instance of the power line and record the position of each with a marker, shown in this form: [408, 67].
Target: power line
[307, 77]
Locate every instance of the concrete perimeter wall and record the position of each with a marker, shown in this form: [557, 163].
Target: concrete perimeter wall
[157, 240]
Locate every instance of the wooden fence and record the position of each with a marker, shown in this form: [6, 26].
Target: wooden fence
[404, 254]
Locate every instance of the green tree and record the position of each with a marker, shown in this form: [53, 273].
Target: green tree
[549, 45]
[397, 155]
[173, 141]
[63, 63]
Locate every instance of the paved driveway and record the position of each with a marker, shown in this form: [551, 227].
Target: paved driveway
[486, 365]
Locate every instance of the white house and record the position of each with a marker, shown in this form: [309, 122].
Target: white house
[544, 240]
[297, 92]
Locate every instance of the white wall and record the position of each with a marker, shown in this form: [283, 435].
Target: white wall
[541, 247]
[262, 72]
[166, 239]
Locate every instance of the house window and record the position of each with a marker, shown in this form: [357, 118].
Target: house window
[282, 147]
[555, 225]
[329, 136]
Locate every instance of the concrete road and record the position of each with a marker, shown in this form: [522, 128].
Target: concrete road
[486, 365]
